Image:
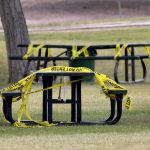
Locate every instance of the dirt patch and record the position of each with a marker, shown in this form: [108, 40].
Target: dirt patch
[51, 11]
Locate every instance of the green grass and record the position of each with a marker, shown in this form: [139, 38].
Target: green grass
[126, 19]
[131, 35]
[133, 130]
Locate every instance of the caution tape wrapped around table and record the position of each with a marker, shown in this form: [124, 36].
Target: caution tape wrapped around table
[25, 86]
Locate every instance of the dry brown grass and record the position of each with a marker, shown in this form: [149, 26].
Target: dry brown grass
[97, 141]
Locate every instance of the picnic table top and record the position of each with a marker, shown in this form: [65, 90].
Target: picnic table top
[60, 73]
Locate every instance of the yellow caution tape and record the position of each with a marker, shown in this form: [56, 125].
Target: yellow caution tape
[119, 49]
[55, 86]
[20, 124]
[147, 50]
[31, 50]
[76, 53]
[129, 50]
[39, 124]
[24, 86]
[24, 98]
[128, 103]
[49, 52]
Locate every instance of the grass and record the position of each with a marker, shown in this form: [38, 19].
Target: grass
[121, 19]
[131, 35]
[72, 141]
[133, 130]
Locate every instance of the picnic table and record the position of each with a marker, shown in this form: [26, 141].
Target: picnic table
[65, 55]
[75, 101]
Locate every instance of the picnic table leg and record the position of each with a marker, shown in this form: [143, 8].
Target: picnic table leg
[126, 67]
[116, 71]
[7, 109]
[144, 70]
[79, 117]
[44, 99]
[119, 98]
[112, 114]
[73, 101]
[133, 65]
[49, 99]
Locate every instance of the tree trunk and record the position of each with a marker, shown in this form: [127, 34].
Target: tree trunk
[16, 32]
[119, 7]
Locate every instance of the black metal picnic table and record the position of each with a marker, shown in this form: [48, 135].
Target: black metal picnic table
[93, 56]
[75, 100]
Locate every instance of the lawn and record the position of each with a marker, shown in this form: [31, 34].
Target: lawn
[133, 130]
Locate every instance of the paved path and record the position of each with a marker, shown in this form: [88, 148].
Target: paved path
[98, 26]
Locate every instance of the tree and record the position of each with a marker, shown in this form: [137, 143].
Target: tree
[16, 32]
[119, 7]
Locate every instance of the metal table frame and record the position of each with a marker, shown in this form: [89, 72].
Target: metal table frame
[75, 101]
[130, 59]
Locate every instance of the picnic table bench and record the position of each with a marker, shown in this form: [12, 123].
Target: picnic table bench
[75, 101]
[65, 55]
